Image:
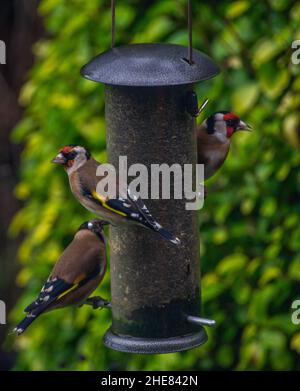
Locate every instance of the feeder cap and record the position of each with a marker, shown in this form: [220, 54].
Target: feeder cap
[149, 65]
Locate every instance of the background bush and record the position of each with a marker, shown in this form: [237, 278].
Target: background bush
[250, 232]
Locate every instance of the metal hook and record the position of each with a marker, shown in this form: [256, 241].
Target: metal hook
[191, 102]
[201, 321]
[202, 107]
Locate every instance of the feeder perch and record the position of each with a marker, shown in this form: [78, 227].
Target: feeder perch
[150, 107]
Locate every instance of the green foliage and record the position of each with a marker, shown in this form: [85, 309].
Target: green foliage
[250, 233]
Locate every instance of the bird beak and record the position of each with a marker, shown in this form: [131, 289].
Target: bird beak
[243, 126]
[59, 159]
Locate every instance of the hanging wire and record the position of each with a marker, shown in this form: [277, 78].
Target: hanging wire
[190, 28]
[113, 23]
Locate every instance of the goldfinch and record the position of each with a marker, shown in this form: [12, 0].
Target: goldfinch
[81, 169]
[213, 139]
[77, 273]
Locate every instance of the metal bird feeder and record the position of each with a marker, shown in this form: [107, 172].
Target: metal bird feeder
[150, 108]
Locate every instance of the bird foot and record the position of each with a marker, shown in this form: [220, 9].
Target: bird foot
[97, 302]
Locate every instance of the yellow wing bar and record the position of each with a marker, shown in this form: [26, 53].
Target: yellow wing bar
[67, 291]
[104, 204]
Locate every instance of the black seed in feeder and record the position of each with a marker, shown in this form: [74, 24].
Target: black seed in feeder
[150, 105]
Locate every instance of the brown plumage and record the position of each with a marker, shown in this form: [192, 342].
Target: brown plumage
[77, 273]
[213, 140]
[84, 181]
[211, 152]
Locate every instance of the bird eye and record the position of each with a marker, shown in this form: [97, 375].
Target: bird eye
[71, 155]
[232, 122]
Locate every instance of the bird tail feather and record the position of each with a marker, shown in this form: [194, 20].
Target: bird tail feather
[26, 322]
[151, 223]
[167, 235]
[29, 318]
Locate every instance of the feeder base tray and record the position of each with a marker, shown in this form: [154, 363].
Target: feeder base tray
[154, 345]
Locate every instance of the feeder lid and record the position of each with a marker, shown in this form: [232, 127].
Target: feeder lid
[147, 65]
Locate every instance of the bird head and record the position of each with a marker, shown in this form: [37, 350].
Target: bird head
[95, 226]
[224, 124]
[72, 156]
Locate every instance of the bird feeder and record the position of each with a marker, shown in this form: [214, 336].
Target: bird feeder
[150, 108]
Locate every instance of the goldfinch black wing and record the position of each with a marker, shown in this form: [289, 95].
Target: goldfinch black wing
[139, 204]
[148, 220]
[133, 208]
[120, 206]
[52, 290]
[127, 206]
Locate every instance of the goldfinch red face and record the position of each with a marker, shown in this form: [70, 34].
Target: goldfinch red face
[224, 124]
[72, 157]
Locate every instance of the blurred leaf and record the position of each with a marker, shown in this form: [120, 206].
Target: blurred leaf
[295, 343]
[269, 274]
[237, 8]
[245, 97]
[232, 264]
[294, 269]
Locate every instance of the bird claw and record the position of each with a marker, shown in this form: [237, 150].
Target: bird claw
[97, 302]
